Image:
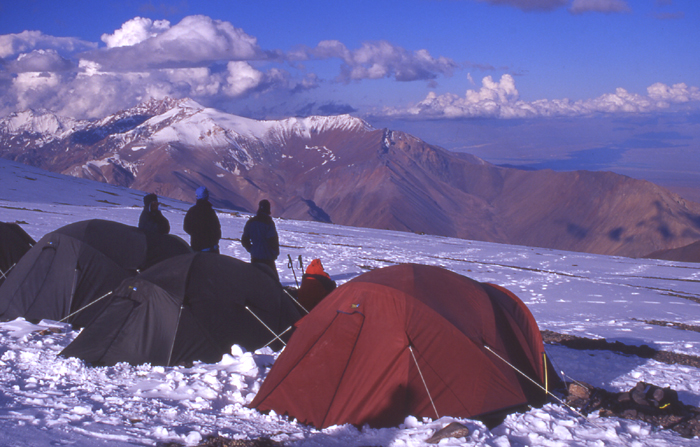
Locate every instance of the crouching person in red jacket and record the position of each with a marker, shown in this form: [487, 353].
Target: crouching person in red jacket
[315, 285]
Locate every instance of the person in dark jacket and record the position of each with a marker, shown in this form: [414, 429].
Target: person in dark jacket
[152, 220]
[260, 237]
[202, 224]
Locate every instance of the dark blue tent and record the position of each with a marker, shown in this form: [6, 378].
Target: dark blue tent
[187, 308]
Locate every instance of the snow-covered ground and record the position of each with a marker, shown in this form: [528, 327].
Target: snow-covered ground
[49, 400]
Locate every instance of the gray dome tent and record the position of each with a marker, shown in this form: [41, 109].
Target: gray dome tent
[14, 243]
[187, 308]
[76, 265]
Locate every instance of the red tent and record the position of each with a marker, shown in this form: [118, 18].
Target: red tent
[407, 340]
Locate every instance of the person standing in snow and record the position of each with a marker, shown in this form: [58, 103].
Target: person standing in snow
[260, 237]
[202, 224]
[151, 219]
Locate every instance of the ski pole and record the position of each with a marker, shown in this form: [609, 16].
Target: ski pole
[301, 264]
[290, 264]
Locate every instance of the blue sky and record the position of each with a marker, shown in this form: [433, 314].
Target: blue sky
[525, 82]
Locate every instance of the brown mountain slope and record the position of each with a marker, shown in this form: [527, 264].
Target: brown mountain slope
[340, 170]
[687, 253]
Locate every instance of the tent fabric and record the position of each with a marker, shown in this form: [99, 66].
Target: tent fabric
[186, 308]
[14, 243]
[76, 265]
[359, 355]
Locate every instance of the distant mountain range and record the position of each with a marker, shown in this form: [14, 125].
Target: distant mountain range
[340, 169]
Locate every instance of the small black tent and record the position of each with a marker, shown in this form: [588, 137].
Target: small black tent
[187, 308]
[76, 265]
[14, 243]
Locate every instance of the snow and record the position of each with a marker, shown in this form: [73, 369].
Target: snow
[46, 399]
[206, 126]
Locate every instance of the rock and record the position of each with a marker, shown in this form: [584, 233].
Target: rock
[629, 414]
[624, 397]
[453, 430]
[579, 390]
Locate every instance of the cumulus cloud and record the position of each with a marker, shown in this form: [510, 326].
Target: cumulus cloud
[605, 6]
[39, 61]
[135, 31]
[500, 99]
[195, 41]
[26, 41]
[377, 60]
[205, 59]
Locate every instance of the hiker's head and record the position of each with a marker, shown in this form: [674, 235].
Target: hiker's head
[150, 201]
[202, 193]
[264, 207]
[315, 268]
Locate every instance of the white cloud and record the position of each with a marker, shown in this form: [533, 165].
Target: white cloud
[377, 60]
[27, 41]
[39, 61]
[241, 79]
[502, 100]
[208, 60]
[195, 41]
[605, 6]
[677, 93]
[135, 31]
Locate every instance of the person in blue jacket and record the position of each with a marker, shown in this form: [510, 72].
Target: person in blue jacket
[151, 219]
[260, 237]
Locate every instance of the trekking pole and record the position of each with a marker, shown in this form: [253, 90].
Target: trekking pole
[541, 387]
[290, 264]
[301, 264]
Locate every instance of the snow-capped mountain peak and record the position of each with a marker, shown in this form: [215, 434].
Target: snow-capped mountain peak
[38, 123]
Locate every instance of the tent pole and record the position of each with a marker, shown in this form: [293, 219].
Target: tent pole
[4, 274]
[295, 300]
[172, 346]
[276, 337]
[85, 307]
[410, 348]
[75, 285]
[267, 327]
[541, 387]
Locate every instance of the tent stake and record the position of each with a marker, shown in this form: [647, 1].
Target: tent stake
[267, 327]
[541, 387]
[410, 348]
[295, 300]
